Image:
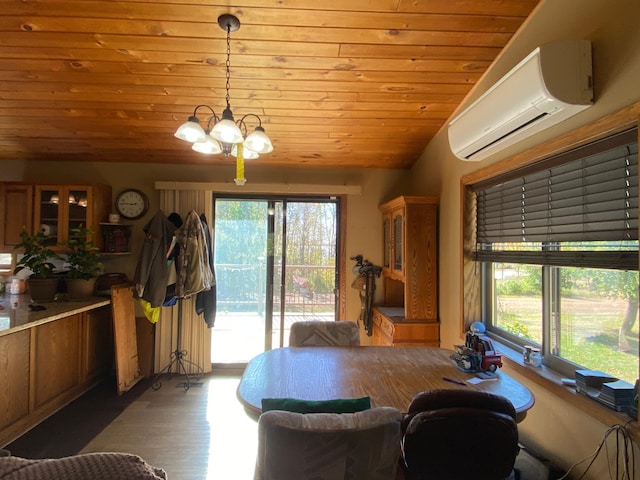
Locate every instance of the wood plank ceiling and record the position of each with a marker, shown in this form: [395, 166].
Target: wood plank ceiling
[337, 83]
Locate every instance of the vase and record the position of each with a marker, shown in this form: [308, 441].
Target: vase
[42, 290]
[80, 288]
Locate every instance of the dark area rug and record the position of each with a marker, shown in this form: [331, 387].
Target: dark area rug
[70, 429]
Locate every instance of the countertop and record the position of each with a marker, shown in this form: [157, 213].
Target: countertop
[15, 314]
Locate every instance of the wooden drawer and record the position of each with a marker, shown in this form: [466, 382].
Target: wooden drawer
[393, 331]
[383, 324]
[417, 334]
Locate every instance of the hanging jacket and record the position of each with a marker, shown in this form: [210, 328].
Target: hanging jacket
[152, 270]
[193, 273]
[171, 298]
[206, 300]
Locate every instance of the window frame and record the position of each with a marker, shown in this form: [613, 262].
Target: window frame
[550, 301]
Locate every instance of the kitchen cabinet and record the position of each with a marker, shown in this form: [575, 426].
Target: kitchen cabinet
[409, 273]
[16, 206]
[14, 353]
[60, 208]
[48, 358]
[56, 356]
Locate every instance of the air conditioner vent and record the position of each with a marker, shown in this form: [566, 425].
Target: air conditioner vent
[551, 84]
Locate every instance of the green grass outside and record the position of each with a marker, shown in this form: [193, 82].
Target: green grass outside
[589, 336]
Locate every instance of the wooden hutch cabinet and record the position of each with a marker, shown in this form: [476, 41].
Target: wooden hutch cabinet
[409, 312]
[54, 209]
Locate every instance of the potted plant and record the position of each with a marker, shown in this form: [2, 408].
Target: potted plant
[83, 257]
[37, 258]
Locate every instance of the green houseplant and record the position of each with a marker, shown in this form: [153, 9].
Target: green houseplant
[83, 257]
[37, 257]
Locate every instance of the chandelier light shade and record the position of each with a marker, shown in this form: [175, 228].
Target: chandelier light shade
[246, 154]
[226, 131]
[223, 134]
[258, 141]
[207, 146]
[191, 131]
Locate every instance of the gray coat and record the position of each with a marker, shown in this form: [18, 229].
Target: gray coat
[152, 271]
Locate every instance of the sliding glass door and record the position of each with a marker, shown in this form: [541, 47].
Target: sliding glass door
[276, 263]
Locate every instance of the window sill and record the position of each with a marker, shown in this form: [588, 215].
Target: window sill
[551, 381]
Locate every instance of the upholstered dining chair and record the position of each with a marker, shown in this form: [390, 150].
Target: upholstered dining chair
[459, 433]
[329, 446]
[321, 333]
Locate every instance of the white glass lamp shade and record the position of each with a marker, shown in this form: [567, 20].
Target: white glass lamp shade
[209, 146]
[258, 141]
[226, 131]
[247, 154]
[191, 131]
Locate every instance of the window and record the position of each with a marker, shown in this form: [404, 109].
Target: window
[558, 246]
[5, 263]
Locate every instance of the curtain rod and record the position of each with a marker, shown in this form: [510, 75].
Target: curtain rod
[271, 188]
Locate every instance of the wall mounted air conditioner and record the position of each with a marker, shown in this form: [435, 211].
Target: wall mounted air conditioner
[551, 84]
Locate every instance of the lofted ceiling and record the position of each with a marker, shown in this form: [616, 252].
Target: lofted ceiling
[337, 83]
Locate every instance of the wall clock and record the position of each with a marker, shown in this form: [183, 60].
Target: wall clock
[132, 204]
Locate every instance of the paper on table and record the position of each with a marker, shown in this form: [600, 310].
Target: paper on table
[475, 380]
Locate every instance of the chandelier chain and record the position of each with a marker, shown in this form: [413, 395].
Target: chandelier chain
[223, 134]
[228, 64]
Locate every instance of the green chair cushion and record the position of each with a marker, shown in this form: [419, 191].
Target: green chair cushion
[339, 405]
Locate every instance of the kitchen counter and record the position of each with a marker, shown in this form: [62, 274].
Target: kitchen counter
[49, 357]
[15, 314]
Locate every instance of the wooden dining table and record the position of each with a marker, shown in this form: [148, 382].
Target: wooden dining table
[390, 376]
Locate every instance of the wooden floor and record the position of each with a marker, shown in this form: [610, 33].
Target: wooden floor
[204, 433]
[199, 434]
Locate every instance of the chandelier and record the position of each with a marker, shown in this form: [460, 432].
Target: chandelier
[224, 134]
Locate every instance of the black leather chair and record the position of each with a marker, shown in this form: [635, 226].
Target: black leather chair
[457, 434]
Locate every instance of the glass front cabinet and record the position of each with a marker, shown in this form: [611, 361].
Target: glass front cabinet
[386, 241]
[393, 241]
[398, 241]
[58, 209]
